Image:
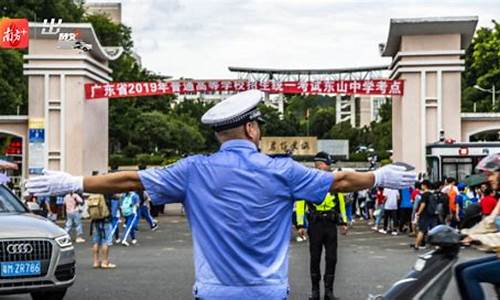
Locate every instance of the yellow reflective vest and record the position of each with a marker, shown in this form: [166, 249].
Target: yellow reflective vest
[328, 204]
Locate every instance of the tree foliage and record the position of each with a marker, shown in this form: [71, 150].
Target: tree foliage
[482, 67]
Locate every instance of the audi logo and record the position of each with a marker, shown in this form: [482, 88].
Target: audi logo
[19, 248]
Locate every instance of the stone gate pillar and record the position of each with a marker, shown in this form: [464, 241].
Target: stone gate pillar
[427, 54]
[76, 130]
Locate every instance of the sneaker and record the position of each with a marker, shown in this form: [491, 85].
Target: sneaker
[155, 227]
[299, 239]
[375, 228]
[125, 243]
[134, 242]
[382, 231]
[117, 241]
[394, 233]
[79, 240]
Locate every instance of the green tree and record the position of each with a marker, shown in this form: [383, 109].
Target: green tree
[13, 84]
[38, 10]
[322, 121]
[482, 67]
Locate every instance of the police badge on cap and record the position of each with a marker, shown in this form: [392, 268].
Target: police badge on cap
[235, 111]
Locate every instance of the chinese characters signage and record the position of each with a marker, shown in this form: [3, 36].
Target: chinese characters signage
[14, 33]
[36, 146]
[347, 87]
[297, 145]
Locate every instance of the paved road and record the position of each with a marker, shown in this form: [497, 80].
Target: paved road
[161, 267]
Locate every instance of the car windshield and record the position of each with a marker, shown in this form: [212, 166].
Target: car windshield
[8, 202]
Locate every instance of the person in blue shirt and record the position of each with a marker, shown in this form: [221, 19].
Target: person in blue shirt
[238, 201]
[405, 210]
[129, 209]
[462, 201]
[115, 217]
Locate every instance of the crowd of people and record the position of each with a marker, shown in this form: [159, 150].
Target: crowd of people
[106, 214]
[417, 209]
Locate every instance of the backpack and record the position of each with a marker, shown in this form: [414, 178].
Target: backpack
[466, 200]
[433, 206]
[97, 207]
[443, 206]
[127, 206]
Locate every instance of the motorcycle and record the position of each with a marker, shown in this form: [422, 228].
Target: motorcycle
[432, 272]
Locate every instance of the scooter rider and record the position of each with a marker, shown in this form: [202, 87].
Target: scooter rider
[471, 274]
[323, 220]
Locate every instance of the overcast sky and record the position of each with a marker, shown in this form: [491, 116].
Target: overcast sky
[201, 38]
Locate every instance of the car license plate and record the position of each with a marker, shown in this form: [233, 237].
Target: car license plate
[20, 268]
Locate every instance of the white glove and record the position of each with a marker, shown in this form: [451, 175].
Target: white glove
[54, 183]
[394, 177]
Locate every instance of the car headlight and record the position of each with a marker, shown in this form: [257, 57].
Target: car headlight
[64, 241]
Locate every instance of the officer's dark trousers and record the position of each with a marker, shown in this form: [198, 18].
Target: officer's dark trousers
[323, 233]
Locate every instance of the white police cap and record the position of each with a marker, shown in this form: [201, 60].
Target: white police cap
[234, 111]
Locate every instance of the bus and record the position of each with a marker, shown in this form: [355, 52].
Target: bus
[456, 160]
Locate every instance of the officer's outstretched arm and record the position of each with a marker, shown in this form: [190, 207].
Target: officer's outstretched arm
[55, 183]
[113, 183]
[352, 181]
[390, 176]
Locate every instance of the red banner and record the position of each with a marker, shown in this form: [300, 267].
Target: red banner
[344, 87]
[14, 33]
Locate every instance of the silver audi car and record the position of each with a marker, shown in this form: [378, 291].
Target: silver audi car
[36, 256]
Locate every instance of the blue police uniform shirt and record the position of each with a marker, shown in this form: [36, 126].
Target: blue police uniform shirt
[239, 204]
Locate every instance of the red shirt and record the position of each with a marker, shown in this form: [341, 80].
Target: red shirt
[414, 194]
[488, 203]
[380, 197]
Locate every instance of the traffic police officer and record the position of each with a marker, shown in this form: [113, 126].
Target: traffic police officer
[322, 230]
[238, 201]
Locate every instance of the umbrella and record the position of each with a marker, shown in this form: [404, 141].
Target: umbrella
[4, 178]
[476, 179]
[5, 165]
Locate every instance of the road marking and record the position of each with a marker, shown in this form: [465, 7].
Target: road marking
[360, 232]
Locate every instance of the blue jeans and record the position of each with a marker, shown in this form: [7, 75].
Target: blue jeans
[74, 220]
[143, 212]
[378, 219]
[348, 212]
[470, 274]
[101, 233]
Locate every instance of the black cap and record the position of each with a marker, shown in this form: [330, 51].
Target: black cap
[324, 157]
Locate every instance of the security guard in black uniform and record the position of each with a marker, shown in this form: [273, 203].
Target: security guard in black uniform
[323, 220]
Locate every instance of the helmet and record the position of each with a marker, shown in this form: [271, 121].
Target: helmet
[443, 235]
[490, 163]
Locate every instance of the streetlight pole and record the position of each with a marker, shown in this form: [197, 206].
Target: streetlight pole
[492, 91]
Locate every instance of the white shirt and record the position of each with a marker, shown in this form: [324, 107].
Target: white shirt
[392, 198]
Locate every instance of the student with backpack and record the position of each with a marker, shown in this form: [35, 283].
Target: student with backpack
[129, 207]
[463, 201]
[100, 229]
